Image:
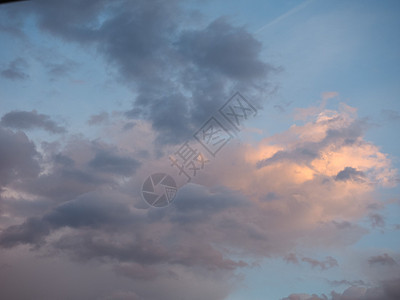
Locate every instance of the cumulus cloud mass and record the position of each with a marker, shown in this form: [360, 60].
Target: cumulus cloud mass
[297, 201]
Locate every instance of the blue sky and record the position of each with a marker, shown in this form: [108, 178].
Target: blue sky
[303, 204]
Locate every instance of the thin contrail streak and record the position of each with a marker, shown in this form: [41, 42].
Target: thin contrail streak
[285, 15]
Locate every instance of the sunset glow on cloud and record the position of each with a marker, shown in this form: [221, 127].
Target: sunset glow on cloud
[296, 191]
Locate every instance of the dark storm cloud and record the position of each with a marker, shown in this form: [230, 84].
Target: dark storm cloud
[18, 157]
[30, 120]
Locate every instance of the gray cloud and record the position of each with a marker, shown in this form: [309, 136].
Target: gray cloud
[98, 119]
[343, 225]
[347, 282]
[81, 167]
[98, 214]
[221, 47]
[291, 258]
[386, 290]
[19, 158]
[93, 210]
[90, 210]
[377, 220]
[30, 120]
[31, 232]
[328, 263]
[305, 152]
[137, 271]
[177, 87]
[349, 173]
[106, 161]
[180, 76]
[16, 70]
[390, 114]
[94, 217]
[384, 260]
[305, 297]
[60, 69]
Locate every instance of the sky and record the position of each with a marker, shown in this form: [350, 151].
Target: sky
[274, 126]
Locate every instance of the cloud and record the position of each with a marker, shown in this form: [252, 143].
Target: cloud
[30, 120]
[384, 260]
[390, 114]
[329, 95]
[98, 119]
[377, 220]
[347, 282]
[81, 167]
[291, 258]
[228, 50]
[387, 290]
[349, 173]
[299, 188]
[94, 212]
[19, 157]
[180, 75]
[57, 70]
[137, 271]
[122, 295]
[16, 70]
[83, 211]
[328, 263]
[31, 232]
[329, 129]
[305, 297]
[105, 161]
